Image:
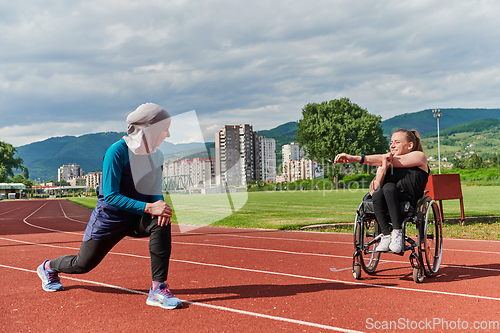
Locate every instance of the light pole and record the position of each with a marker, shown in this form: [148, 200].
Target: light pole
[437, 115]
[498, 168]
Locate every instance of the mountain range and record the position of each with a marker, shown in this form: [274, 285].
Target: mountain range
[44, 158]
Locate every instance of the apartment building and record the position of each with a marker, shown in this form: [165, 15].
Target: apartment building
[296, 166]
[298, 169]
[190, 173]
[292, 152]
[67, 172]
[236, 155]
[93, 179]
[267, 159]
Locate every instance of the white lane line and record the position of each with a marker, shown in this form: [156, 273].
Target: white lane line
[474, 240]
[12, 210]
[264, 250]
[69, 218]
[44, 228]
[215, 307]
[284, 274]
[445, 249]
[269, 238]
[475, 251]
[333, 269]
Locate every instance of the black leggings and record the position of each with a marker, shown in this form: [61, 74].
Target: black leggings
[386, 200]
[93, 251]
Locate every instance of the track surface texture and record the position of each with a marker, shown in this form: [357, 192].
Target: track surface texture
[236, 280]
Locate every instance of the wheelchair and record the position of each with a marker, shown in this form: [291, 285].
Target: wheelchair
[426, 250]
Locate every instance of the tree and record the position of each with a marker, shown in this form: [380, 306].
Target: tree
[458, 163]
[475, 162]
[7, 161]
[26, 173]
[22, 180]
[340, 126]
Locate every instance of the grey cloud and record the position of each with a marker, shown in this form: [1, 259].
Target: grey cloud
[101, 59]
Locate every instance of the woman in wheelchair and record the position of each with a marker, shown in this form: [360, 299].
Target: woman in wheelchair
[401, 176]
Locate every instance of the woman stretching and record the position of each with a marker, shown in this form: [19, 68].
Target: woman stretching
[130, 203]
[401, 176]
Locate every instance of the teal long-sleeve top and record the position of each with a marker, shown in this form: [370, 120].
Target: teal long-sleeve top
[119, 202]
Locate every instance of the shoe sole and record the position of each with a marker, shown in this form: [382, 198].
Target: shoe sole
[43, 281]
[154, 303]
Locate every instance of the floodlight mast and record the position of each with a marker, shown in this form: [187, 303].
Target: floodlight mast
[437, 115]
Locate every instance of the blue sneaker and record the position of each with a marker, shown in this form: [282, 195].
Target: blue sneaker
[163, 298]
[50, 279]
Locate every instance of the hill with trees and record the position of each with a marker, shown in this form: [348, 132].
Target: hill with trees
[474, 126]
[425, 123]
[44, 158]
[458, 129]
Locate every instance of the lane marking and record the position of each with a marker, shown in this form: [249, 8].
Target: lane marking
[69, 218]
[44, 228]
[270, 238]
[215, 307]
[333, 269]
[10, 211]
[349, 243]
[305, 277]
[264, 250]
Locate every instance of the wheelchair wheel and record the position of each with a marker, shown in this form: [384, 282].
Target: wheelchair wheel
[356, 271]
[418, 275]
[431, 237]
[364, 233]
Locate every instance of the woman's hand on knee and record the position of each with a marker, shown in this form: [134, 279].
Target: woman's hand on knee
[163, 221]
[158, 208]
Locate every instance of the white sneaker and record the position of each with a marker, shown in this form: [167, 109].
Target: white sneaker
[384, 243]
[396, 241]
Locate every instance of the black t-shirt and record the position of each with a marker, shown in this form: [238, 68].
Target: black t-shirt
[411, 181]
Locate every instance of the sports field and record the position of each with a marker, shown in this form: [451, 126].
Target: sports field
[236, 280]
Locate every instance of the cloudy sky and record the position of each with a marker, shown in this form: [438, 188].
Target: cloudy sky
[77, 67]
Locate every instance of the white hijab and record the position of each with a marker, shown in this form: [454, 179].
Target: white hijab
[145, 125]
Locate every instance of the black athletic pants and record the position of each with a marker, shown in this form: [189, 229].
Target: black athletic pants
[386, 199]
[93, 251]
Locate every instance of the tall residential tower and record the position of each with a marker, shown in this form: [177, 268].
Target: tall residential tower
[241, 156]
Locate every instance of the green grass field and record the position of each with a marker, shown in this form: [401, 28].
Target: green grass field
[294, 209]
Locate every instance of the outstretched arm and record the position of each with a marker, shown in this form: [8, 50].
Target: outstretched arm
[374, 160]
[412, 159]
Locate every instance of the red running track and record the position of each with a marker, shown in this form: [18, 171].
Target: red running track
[236, 280]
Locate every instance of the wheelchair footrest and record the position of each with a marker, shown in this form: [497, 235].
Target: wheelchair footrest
[410, 241]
